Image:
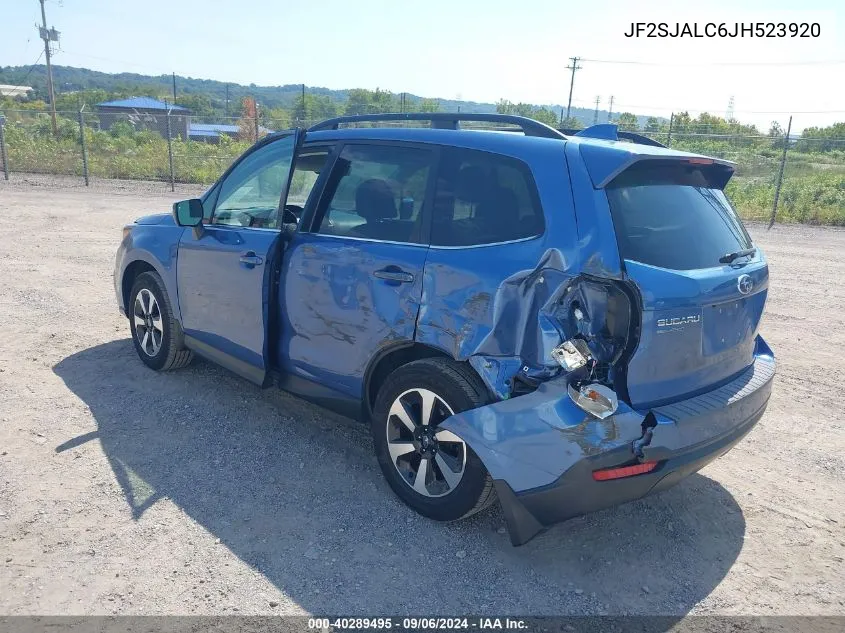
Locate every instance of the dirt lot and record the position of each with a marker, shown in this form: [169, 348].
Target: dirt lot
[126, 491]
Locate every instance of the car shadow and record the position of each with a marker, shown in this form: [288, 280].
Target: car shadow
[296, 492]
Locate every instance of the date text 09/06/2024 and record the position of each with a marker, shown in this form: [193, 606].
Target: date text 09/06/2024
[724, 29]
[417, 623]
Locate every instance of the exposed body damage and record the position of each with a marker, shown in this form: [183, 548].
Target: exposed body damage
[542, 450]
[605, 293]
[539, 446]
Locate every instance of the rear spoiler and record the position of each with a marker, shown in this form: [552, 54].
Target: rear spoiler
[605, 163]
[611, 132]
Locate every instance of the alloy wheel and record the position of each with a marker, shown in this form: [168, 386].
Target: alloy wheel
[146, 320]
[430, 459]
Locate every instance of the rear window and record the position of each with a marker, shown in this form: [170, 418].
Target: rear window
[484, 198]
[671, 224]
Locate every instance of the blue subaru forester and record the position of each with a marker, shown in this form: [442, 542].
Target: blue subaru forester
[560, 322]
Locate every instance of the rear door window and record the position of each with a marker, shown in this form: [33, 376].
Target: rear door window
[676, 223]
[377, 192]
[484, 198]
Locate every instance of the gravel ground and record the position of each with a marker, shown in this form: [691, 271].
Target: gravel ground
[127, 491]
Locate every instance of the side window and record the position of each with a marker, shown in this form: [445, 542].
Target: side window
[377, 192]
[250, 194]
[309, 163]
[484, 198]
[208, 205]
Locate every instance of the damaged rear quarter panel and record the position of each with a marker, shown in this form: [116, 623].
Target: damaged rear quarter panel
[501, 307]
[495, 305]
[486, 300]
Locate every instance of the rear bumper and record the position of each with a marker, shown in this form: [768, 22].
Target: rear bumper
[545, 475]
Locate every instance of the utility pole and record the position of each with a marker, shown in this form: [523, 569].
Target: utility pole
[780, 173]
[174, 88]
[596, 114]
[610, 110]
[48, 36]
[227, 101]
[573, 68]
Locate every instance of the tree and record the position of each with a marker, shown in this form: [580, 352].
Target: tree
[652, 125]
[277, 118]
[72, 101]
[429, 105]
[571, 123]
[199, 104]
[246, 124]
[628, 122]
[503, 106]
[363, 101]
[543, 115]
[314, 108]
[823, 139]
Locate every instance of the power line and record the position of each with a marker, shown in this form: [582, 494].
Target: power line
[31, 68]
[828, 62]
[711, 109]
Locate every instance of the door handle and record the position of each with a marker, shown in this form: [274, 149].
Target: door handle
[394, 274]
[251, 260]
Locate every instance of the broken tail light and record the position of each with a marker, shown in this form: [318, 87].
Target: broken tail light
[597, 400]
[572, 354]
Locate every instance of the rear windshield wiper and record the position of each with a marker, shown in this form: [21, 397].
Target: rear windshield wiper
[729, 257]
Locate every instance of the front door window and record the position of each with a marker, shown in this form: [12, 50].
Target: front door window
[250, 194]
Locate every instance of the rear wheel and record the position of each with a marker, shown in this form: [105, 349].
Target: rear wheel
[430, 468]
[156, 334]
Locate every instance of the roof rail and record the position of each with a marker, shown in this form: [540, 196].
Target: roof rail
[610, 132]
[446, 121]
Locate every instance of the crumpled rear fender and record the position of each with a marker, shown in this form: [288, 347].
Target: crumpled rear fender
[530, 441]
[512, 333]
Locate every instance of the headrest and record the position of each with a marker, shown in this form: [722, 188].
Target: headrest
[375, 200]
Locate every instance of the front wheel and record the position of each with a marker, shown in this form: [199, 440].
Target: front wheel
[428, 467]
[156, 334]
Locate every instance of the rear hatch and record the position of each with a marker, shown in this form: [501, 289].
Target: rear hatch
[702, 300]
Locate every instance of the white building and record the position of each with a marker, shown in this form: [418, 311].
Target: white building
[14, 91]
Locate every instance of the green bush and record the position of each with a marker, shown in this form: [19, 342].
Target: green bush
[813, 189]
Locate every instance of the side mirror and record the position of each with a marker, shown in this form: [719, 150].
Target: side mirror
[188, 212]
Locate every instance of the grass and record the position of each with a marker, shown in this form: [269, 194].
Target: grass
[813, 189]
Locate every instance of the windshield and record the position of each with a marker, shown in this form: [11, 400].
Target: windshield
[675, 226]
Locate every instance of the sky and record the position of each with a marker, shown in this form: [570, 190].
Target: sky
[479, 50]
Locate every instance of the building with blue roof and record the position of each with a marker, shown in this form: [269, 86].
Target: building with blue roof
[211, 132]
[141, 103]
[145, 113]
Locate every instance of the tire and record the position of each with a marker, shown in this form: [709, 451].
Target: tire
[458, 388]
[153, 322]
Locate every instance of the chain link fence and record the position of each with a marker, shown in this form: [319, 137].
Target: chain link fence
[778, 177]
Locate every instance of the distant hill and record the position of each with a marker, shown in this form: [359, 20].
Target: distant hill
[69, 79]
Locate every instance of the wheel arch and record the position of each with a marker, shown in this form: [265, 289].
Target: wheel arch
[130, 274]
[389, 360]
